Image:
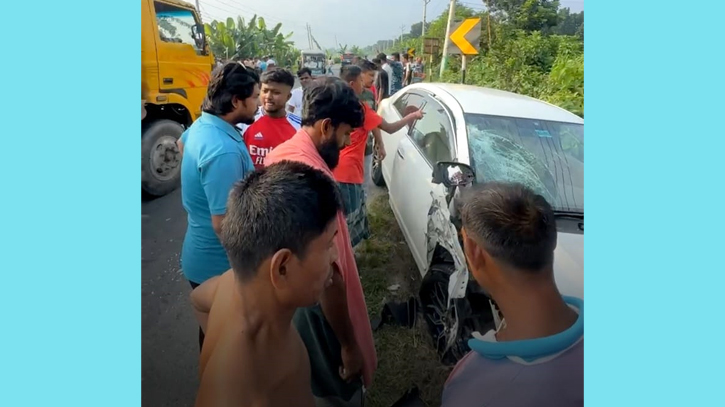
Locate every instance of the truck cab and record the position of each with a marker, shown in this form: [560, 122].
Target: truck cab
[176, 65]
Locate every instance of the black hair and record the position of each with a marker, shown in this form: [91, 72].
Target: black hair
[349, 73]
[331, 98]
[382, 57]
[513, 224]
[366, 66]
[261, 218]
[377, 61]
[396, 55]
[279, 75]
[304, 71]
[229, 80]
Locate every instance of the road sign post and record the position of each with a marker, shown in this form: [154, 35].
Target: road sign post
[463, 69]
[465, 40]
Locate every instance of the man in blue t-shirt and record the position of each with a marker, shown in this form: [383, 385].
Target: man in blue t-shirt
[214, 158]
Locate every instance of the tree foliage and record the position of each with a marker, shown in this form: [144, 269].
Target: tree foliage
[535, 49]
[249, 39]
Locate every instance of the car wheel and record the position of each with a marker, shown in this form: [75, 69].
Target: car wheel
[160, 157]
[450, 338]
[376, 173]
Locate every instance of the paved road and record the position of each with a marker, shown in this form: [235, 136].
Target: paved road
[169, 339]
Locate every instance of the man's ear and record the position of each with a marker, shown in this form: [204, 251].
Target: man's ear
[472, 250]
[279, 268]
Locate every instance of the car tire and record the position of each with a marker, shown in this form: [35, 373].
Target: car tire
[160, 157]
[439, 318]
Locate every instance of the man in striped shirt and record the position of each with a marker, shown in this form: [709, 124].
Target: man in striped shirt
[273, 125]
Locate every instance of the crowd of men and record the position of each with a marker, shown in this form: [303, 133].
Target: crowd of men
[272, 182]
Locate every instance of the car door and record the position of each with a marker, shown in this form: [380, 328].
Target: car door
[391, 114]
[429, 141]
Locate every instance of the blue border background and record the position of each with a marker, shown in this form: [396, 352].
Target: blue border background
[70, 236]
[70, 257]
[654, 195]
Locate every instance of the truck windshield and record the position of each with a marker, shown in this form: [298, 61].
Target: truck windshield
[175, 24]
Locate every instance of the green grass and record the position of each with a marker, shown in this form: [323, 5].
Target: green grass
[406, 357]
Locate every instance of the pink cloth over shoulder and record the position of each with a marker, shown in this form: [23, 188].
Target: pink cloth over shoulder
[300, 148]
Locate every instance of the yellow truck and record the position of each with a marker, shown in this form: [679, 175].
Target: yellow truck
[176, 64]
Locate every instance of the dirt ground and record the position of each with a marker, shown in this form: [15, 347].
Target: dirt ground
[406, 357]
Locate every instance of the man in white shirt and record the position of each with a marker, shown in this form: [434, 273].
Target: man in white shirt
[295, 102]
[388, 69]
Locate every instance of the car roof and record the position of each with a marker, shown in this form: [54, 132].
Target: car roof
[480, 100]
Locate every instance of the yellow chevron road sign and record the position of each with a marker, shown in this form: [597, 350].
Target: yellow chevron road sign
[465, 37]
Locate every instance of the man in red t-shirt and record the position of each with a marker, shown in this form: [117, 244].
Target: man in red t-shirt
[349, 172]
[273, 125]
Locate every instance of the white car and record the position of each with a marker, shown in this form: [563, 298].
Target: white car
[470, 135]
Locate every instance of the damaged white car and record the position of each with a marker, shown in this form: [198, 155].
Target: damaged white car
[472, 135]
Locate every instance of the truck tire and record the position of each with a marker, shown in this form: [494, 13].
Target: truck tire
[160, 157]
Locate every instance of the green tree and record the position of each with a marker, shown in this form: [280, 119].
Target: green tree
[249, 39]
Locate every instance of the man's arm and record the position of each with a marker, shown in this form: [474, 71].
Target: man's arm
[379, 144]
[391, 128]
[201, 299]
[218, 176]
[334, 307]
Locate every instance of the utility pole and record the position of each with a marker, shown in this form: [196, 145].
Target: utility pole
[451, 15]
[402, 31]
[425, 9]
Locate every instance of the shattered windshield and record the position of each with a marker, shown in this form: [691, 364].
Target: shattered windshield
[545, 156]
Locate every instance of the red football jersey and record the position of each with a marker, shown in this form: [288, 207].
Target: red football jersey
[266, 133]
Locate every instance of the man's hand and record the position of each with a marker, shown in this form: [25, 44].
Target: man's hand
[352, 363]
[417, 115]
[380, 151]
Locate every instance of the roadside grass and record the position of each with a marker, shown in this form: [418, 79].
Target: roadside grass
[406, 357]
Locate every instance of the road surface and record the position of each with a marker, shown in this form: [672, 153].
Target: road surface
[170, 348]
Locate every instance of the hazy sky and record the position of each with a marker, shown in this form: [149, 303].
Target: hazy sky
[351, 22]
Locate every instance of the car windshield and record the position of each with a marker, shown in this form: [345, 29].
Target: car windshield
[545, 156]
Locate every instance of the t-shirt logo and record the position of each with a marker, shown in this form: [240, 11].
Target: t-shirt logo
[258, 136]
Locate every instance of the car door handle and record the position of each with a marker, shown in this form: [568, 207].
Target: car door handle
[400, 154]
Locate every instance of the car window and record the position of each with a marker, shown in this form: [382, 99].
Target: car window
[433, 133]
[407, 100]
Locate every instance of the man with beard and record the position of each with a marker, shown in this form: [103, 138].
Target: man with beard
[273, 125]
[215, 157]
[336, 332]
[350, 173]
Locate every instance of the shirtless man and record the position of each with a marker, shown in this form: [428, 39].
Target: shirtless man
[281, 251]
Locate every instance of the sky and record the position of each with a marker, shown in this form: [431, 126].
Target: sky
[346, 22]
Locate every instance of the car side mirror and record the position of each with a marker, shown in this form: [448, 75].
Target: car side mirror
[453, 174]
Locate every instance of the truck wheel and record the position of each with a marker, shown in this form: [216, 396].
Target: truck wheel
[160, 157]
